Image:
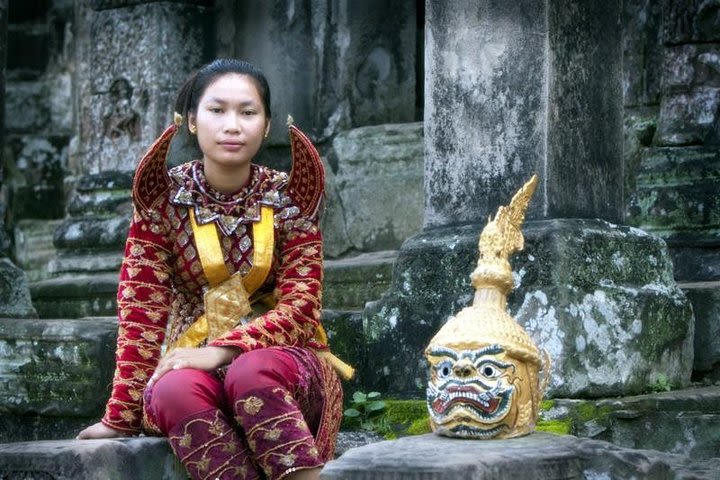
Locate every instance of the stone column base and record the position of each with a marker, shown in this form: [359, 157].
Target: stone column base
[599, 297]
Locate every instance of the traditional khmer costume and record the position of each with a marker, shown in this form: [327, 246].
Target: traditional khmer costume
[241, 270]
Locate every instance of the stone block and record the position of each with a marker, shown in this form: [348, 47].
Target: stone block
[26, 106]
[689, 118]
[676, 196]
[131, 59]
[93, 233]
[77, 296]
[599, 297]
[103, 194]
[537, 456]
[118, 459]
[691, 65]
[34, 246]
[15, 299]
[351, 282]
[377, 176]
[56, 367]
[705, 299]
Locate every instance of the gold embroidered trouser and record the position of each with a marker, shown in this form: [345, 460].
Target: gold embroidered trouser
[210, 448]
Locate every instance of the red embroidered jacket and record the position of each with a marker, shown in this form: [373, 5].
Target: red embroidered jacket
[162, 280]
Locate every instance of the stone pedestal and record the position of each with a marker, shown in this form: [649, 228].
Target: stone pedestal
[538, 456]
[599, 297]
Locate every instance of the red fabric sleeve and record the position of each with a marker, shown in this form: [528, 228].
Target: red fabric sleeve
[143, 309]
[298, 291]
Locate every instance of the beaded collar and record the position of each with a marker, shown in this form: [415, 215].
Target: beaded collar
[228, 211]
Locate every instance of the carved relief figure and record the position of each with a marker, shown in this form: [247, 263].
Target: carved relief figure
[120, 120]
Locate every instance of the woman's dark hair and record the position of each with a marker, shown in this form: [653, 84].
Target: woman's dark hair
[194, 87]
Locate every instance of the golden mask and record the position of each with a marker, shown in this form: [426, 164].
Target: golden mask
[487, 377]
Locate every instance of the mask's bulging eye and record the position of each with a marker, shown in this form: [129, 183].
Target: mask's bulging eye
[490, 371]
[444, 369]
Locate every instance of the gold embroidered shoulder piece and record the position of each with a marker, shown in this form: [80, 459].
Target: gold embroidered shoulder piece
[307, 178]
[151, 180]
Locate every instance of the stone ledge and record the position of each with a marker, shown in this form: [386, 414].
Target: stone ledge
[120, 459]
[350, 283]
[140, 458]
[538, 456]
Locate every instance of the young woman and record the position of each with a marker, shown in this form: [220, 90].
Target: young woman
[226, 257]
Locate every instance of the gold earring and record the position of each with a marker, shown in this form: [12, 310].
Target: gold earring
[193, 129]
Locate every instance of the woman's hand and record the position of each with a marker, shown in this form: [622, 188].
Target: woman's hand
[205, 358]
[100, 430]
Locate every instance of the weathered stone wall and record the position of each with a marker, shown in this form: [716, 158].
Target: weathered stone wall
[672, 147]
[40, 106]
[4, 239]
[374, 187]
[333, 65]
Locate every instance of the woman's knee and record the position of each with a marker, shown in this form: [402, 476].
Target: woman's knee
[267, 367]
[182, 393]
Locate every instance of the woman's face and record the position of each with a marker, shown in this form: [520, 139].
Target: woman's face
[231, 121]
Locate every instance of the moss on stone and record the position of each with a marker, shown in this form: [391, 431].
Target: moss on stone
[546, 405]
[420, 426]
[560, 427]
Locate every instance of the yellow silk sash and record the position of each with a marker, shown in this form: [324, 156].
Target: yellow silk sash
[228, 299]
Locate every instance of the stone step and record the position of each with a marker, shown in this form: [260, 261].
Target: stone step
[55, 374]
[119, 459]
[683, 422]
[349, 284]
[76, 296]
[676, 196]
[537, 456]
[34, 246]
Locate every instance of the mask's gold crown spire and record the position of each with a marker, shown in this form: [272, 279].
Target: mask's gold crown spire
[500, 238]
[486, 321]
